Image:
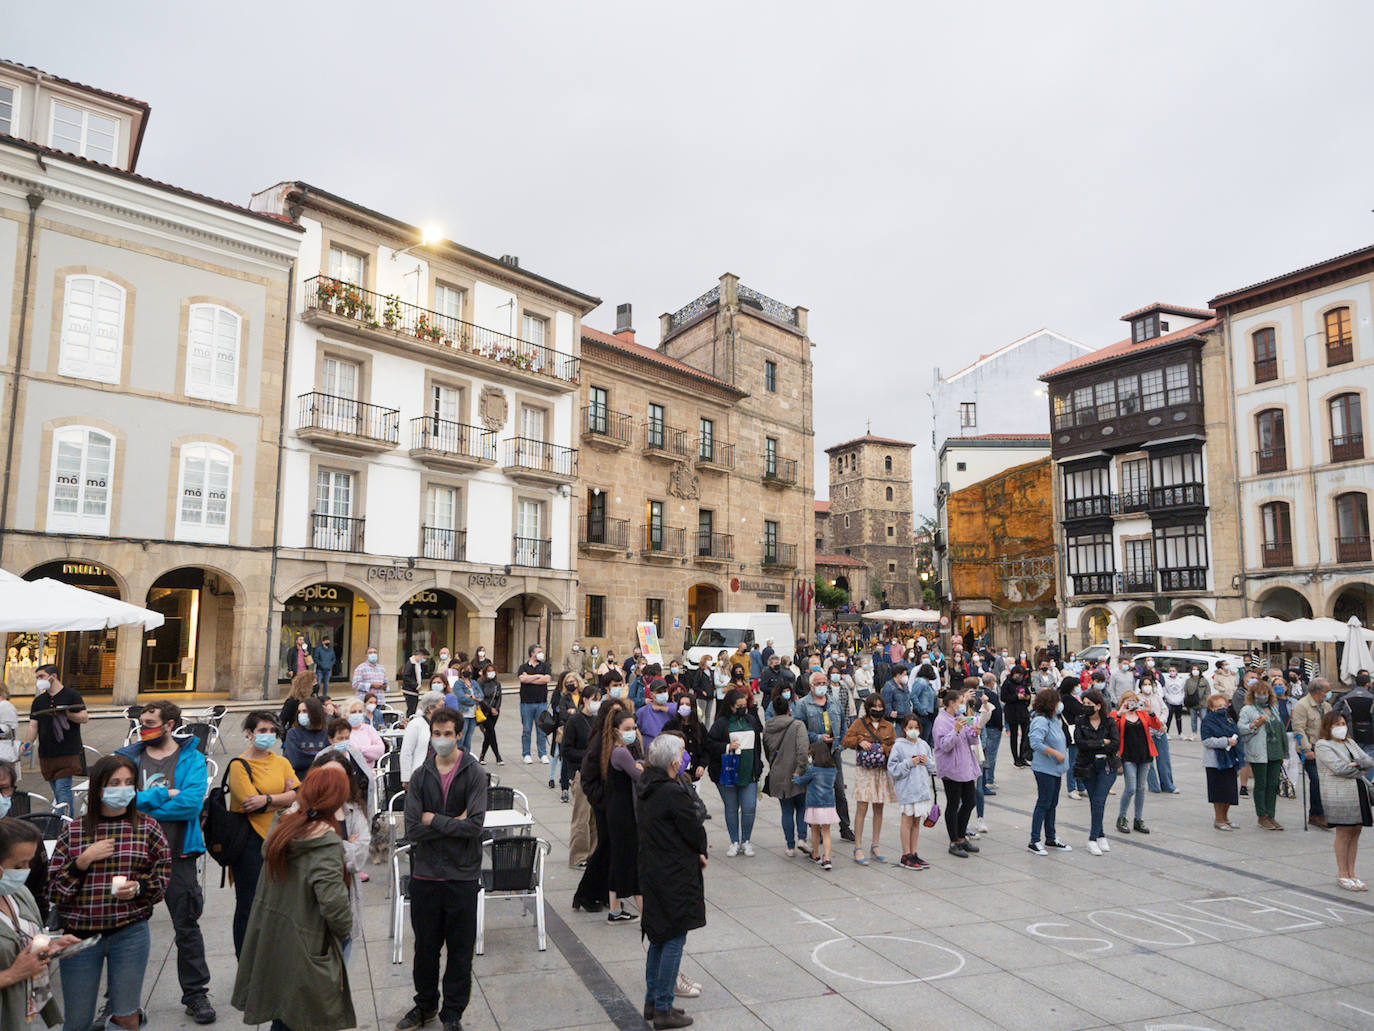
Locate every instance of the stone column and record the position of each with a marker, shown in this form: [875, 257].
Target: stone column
[128, 663]
[384, 632]
[562, 633]
[481, 631]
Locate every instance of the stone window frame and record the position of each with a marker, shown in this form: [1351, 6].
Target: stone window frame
[44, 499]
[174, 481]
[340, 463]
[548, 314]
[332, 236]
[326, 348]
[456, 482]
[464, 386]
[59, 305]
[521, 400]
[184, 338]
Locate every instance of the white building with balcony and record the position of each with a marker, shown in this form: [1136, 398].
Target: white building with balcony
[428, 454]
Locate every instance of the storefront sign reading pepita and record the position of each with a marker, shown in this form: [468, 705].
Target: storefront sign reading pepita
[318, 593]
[486, 580]
[424, 598]
[390, 573]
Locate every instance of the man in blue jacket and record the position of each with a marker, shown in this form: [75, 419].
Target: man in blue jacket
[325, 659]
[172, 782]
[897, 696]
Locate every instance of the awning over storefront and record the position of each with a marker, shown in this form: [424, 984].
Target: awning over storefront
[47, 606]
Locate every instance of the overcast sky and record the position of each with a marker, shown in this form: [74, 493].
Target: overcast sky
[930, 180]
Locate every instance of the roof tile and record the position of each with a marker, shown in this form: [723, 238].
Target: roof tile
[653, 356]
[1125, 347]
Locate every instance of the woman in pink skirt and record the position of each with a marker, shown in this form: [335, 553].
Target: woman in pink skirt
[819, 781]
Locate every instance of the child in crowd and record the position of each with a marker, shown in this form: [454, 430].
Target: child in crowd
[909, 765]
[819, 780]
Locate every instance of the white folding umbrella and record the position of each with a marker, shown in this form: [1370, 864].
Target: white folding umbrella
[1356, 655]
[1181, 629]
[1255, 628]
[49, 606]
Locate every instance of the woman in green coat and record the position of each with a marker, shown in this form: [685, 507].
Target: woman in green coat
[291, 970]
[25, 992]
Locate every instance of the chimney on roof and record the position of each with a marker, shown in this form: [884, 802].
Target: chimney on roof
[511, 260]
[624, 325]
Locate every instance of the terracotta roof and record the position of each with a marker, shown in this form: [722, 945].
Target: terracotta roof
[239, 209]
[848, 561]
[1125, 347]
[1045, 437]
[1173, 309]
[822, 507]
[654, 357]
[1230, 297]
[120, 97]
[868, 438]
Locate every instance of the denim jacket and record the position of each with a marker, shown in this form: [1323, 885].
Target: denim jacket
[820, 786]
[812, 713]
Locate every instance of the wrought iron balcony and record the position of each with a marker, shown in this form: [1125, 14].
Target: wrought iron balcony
[668, 442]
[1128, 501]
[715, 547]
[605, 428]
[1276, 553]
[1135, 581]
[779, 555]
[1271, 460]
[714, 453]
[381, 314]
[779, 472]
[1190, 579]
[536, 552]
[539, 461]
[336, 533]
[1349, 448]
[444, 542]
[658, 541]
[1352, 549]
[1180, 495]
[602, 533]
[345, 424]
[454, 445]
[1087, 508]
[1093, 583]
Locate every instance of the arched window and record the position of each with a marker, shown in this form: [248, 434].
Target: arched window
[887, 464]
[1340, 345]
[889, 494]
[212, 354]
[1266, 355]
[1278, 534]
[1352, 527]
[92, 341]
[203, 493]
[82, 471]
[1347, 428]
[1272, 456]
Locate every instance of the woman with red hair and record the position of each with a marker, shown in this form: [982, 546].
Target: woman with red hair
[291, 969]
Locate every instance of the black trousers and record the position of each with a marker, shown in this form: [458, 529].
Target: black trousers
[1018, 734]
[443, 915]
[960, 797]
[841, 803]
[412, 700]
[246, 870]
[488, 729]
[186, 903]
[594, 888]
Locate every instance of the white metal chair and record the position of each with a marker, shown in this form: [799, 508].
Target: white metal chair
[400, 900]
[516, 871]
[132, 713]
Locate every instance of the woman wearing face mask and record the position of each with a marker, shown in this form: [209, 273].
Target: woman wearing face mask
[1160, 776]
[785, 744]
[577, 735]
[955, 733]
[1345, 794]
[909, 764]
[376, 715]
[592, 893]
[25, 974]
[365, 741]
[1221, 757]
[1134, 722]
[737, 732]
[491, 711]
[1096, 738]
[292, 703]
[109, 871]
[261, 783]
[1266, 746]
[872, 739]
[467, 693]
[306, 737]
[1049, 763]
[656, 712]
[622, 762]
[686, 724]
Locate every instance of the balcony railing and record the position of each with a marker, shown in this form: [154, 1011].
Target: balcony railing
[453, 438]
[1131, 501]
[712, 451]
[1193, 579]
[1266, 370]
[1349, 448]
[336, 533]
[1271, 460]
[1087, 508]
[779, 555]
[668, 541]
[533, 551]
[599, 531]
[1135, 581]
[718, 547]
[1276, 553]
[380, 311]
[1093, 583]
[349, 417]
[666, 440]
[1340, 352]
[779, 470]
[615, 427]
[444, 542]
[1352, 549]
[1179, 495]
[541, 457]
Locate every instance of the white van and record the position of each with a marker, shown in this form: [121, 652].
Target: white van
[723, 631]
[1182, 660]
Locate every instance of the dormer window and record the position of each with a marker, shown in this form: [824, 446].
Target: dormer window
[1146, 328]
[7, 101]
[84, 133]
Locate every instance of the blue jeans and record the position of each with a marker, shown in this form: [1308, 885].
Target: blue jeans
[1047, 785]
[1164, 781]
[740, 803]
[62, 794]
[126, 953]
[1074, 783]
[660, 972]
[1099, 782]
[321, 681]
[1195, 715]
[1134, 774]
[793, 818]
[469, 725]
[992, 740]
[978, 796]
[529, 712]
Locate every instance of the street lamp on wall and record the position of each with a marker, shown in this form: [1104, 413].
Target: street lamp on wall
[429, 236]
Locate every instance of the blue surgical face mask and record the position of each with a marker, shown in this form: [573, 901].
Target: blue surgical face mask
[341, 746]
[617, 692]
[627, 736]
[118, 797]
[12, 880]
[355, 719]
[303, 718]
[5, 803]
[661, 697]
[787, 695]
[264, 741]
[960, 710]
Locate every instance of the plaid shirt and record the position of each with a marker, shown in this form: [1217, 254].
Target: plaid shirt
[369, 678]
[83, 899]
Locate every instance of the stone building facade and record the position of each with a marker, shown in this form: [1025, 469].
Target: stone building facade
[696, 483]
[871, 516]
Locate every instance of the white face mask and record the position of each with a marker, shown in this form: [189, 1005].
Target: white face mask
[1338, 733]
[538, 656]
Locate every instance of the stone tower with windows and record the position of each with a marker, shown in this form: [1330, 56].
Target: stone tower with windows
[871, 515]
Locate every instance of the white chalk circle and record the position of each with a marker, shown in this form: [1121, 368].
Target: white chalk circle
[950, 954]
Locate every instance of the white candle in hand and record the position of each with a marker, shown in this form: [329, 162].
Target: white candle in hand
[116, 882]
[40, 942]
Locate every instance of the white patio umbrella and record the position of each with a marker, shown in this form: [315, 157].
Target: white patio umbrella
[1324, 630]
[50, 606]
[1181, 629]
[1255, 628]
[1356, 655]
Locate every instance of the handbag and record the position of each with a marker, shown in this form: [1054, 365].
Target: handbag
[870, 759]
[226, 832]
[933, 817]
[729, 770]
[481, 714]
[546, 721]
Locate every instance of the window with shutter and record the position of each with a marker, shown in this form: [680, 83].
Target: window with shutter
[92, 329]
[82, 471]
[203, 490]
[212, 354]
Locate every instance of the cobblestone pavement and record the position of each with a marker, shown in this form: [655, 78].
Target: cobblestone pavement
[1184, 929]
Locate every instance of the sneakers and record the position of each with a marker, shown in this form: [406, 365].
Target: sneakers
[566, 797]
[415, 1018]
[1059, 845]
[970, 846]
[917, 863]
[804, 847]
[1094, 848]
[1037, 848]
[544, 759]
[200, 1010]
[529, 759]
[500, 762]
[1139, 827]
[1074, 795]
[747, 849]
[550, 782]
[790, 852]
[1104, 844]
[958, 850]
[989, 791]
[620, 916]
[982, 826]
[1122, 825]
[733, 850]
[453, 1025]
[825, 865]
[649, 1011]
[686, 987]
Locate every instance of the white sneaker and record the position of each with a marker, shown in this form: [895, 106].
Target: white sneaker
[982, 826]
[544, 759]
[747, 849]
[733, 850]
[528, 760]
[791, 852]
[1104, 844]
[1073, 795]
[685, 987]
[1094, 848]
[804, 847]
[1037, 848]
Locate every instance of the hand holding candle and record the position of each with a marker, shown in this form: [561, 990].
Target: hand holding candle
[118, 883]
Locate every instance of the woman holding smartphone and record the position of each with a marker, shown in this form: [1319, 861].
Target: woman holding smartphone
[955, 732]
[25, 988]
[109, 870]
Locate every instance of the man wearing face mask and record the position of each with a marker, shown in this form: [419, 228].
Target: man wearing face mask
[1121, 681]
[774, 677]
[55, 720]
[652, 717]
[534, 677]
[171, 786]
[446, 805]
[1161, 774]
[827, 720]
[576, 660]
[418, 670]
[577, 736]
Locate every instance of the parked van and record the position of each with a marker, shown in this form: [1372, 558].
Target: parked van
[723, 631]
